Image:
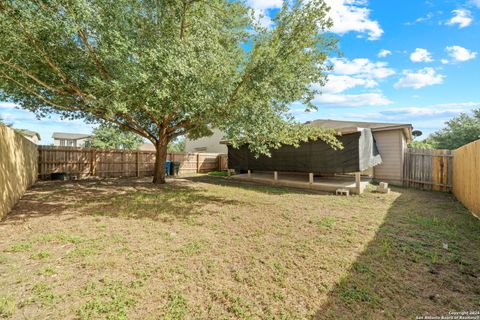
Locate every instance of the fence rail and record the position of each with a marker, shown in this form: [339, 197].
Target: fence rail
[428, 169]
[85, 162]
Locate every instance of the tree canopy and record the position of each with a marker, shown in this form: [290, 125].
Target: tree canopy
[108, 136]
[458, 131]
[166, 68]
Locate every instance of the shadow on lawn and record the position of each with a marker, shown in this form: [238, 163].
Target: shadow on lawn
[128, 198]
[405, 271]
[251, 186]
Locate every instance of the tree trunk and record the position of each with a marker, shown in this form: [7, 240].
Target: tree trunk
[160, 159]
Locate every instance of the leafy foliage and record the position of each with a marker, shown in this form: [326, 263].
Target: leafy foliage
[458, 131]
[177, 145]
[166, 68]
[107, 136]
[422, 144]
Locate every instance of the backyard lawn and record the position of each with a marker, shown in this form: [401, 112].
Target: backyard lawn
[212, 248]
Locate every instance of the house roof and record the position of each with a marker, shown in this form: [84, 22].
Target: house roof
[146, 147]
[70, 136]
[351, 126]
[30, 133]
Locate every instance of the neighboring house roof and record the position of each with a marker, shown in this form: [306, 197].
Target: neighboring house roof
[29, 133]
[349, 126]
[70, 136]
[146, 147]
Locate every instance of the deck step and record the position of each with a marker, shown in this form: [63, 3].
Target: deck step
[342, 192]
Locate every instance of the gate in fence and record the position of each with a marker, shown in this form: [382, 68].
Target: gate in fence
[428, 169]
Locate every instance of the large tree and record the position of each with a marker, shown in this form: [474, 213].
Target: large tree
[459, 131]
[166, 68]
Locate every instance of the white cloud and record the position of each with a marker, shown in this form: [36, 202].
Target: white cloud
[347, 16]
[265, 4]
[422, 111]
[337, 84]
[7, 105]
[421, 55]
[260, 8]
[357, 73]
[352, 15]
[362, 67]
[428, 17]
[460, 54]
[462, 17]
[422, 78]
[351, 100]
[262, 18]
[444, 61]
[384, 53]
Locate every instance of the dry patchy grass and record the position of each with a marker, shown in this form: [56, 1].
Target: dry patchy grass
[212, 248]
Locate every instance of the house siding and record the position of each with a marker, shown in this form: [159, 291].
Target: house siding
[209, 144]
[80, 143]
[391, 145]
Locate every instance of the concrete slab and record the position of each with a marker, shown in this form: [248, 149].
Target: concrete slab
[328, 184]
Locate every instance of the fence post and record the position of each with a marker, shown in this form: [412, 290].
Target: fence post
[137, 162]
[93, 162]
[198, 162]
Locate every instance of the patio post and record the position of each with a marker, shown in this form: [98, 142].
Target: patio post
[275, 176]
[249, 174]
[357, 182]
[310, 178]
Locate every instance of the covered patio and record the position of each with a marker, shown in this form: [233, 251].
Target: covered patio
[312, 164]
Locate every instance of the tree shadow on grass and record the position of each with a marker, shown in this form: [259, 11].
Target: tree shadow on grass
[128, 198]
[252, 186]
[406, 270]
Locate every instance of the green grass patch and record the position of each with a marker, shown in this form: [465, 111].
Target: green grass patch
[8, 306]
[21, 247]
[355, 294]
[177, 307]
[219, 173]
[326, 222]
[109, 301]
[43, 294]
[41, 255]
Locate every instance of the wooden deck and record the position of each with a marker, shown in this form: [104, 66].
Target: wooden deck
[327, 184]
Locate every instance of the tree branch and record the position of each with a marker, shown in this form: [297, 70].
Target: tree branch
[34, 78]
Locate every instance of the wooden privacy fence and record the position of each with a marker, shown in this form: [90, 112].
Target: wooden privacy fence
[428, 169]
[466, 178]
[84, 162]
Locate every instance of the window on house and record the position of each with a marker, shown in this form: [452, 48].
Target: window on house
[71, 143]
[62, 143]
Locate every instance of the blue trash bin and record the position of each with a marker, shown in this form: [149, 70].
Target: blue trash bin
[168, 166]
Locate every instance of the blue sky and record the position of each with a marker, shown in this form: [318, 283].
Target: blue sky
[410, 61]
